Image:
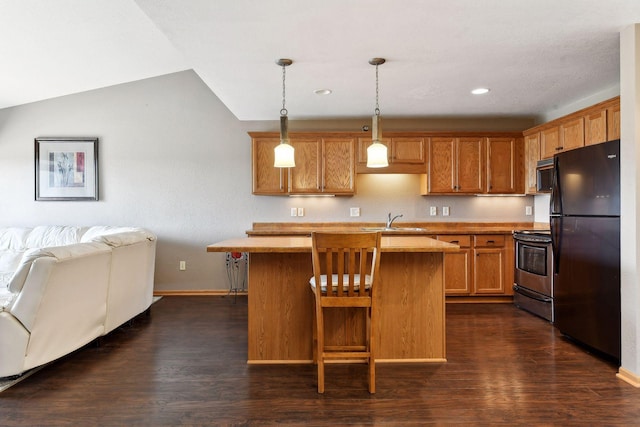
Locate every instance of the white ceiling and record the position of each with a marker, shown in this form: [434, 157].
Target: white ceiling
[535, 55]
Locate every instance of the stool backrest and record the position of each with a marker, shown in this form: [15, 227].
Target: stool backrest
[346, 264]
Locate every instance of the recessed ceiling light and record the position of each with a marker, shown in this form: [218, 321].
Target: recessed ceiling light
[480, 91]
[322, 91]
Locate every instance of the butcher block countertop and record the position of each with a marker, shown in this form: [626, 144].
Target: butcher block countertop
[401, 228]
[295, 244]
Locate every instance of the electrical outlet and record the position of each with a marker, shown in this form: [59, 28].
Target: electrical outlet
[528, 210]
[183, 265]
[433, 210]
[354, 212]
[294, 211]
[445, 211]
[300, 211]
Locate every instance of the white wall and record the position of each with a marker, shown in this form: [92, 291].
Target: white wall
[175, 160]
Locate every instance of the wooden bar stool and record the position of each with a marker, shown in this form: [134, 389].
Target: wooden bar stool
[345, 270]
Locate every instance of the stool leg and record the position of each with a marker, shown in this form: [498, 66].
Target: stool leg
[320, 348]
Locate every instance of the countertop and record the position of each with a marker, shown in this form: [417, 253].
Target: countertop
[292, 244]
[403, 228]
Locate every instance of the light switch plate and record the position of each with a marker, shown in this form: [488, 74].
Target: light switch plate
[445, 211]
[300, 211]
[433, 210]
[294, 211]
[528, 210]
[354, 212]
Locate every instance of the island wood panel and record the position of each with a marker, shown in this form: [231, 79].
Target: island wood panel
[410, 309]
[280, 307]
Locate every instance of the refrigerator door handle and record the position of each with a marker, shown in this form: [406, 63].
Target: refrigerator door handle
[556, 199]
[555, 223]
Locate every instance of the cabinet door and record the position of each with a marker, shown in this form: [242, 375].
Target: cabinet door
[457, 266]
[407, 150]
[442, 153]
[338, 166]
[572, 134]
[595, 128]
[470, 165]
[531, 157]
[549, 142]
[503, 157]
[267, 179]
[305, 177]
[613, 123]
[488, 274]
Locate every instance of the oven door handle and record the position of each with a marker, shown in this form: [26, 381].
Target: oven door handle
[529, 294]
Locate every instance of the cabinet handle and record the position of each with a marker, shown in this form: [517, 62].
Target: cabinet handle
[490, 242]
[455, 241]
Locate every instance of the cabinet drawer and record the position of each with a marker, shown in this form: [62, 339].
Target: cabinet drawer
[463, 241]
[489, 240]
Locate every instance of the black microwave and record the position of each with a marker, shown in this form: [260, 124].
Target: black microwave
[544, 176]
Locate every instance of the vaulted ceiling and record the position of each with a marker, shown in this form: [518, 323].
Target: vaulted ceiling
[534, 55]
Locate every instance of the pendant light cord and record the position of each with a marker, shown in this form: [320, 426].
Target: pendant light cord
[377, 110]
[284, 111]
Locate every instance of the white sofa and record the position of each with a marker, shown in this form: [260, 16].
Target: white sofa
[62, 287]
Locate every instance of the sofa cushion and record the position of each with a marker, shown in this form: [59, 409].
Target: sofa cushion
[54, 235]
[92, 233]
[14, 238]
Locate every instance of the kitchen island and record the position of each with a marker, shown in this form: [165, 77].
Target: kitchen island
[410, 310]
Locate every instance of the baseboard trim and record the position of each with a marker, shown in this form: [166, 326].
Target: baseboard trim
[307, 362]
[210, 292]
[628, 377]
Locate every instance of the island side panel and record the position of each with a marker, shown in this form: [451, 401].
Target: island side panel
[280, 308]
[411, 308]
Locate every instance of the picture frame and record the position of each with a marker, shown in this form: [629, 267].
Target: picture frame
[66, 169]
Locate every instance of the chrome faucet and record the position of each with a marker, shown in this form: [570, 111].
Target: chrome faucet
[390, 220]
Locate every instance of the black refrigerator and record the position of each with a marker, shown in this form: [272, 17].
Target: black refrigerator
[585, 229]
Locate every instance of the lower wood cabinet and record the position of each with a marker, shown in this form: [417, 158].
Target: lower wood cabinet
[458, 265]
[483, 266]
[489, 264]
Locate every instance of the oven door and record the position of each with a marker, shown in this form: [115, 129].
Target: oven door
[534, 267]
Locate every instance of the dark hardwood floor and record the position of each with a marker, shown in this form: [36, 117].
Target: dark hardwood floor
[186, 365]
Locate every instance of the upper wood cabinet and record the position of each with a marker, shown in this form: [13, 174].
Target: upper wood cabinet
[572, 134]
[613, 121]
[532, 155]
[504, 165]
[592, 125]
[563, 137]
[324, 165]
[550, 141]
[456, 165]
[595, 127]
[406, 154]
[338, 165]
[267, 179]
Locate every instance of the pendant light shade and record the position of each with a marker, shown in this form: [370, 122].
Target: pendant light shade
[284, 152]
[377, 152]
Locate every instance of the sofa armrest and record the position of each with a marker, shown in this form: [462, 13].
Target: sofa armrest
[124, 238]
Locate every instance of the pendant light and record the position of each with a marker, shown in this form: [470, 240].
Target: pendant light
[377, 151]
[284, 157]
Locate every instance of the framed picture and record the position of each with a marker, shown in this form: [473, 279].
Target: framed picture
[66, 168]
